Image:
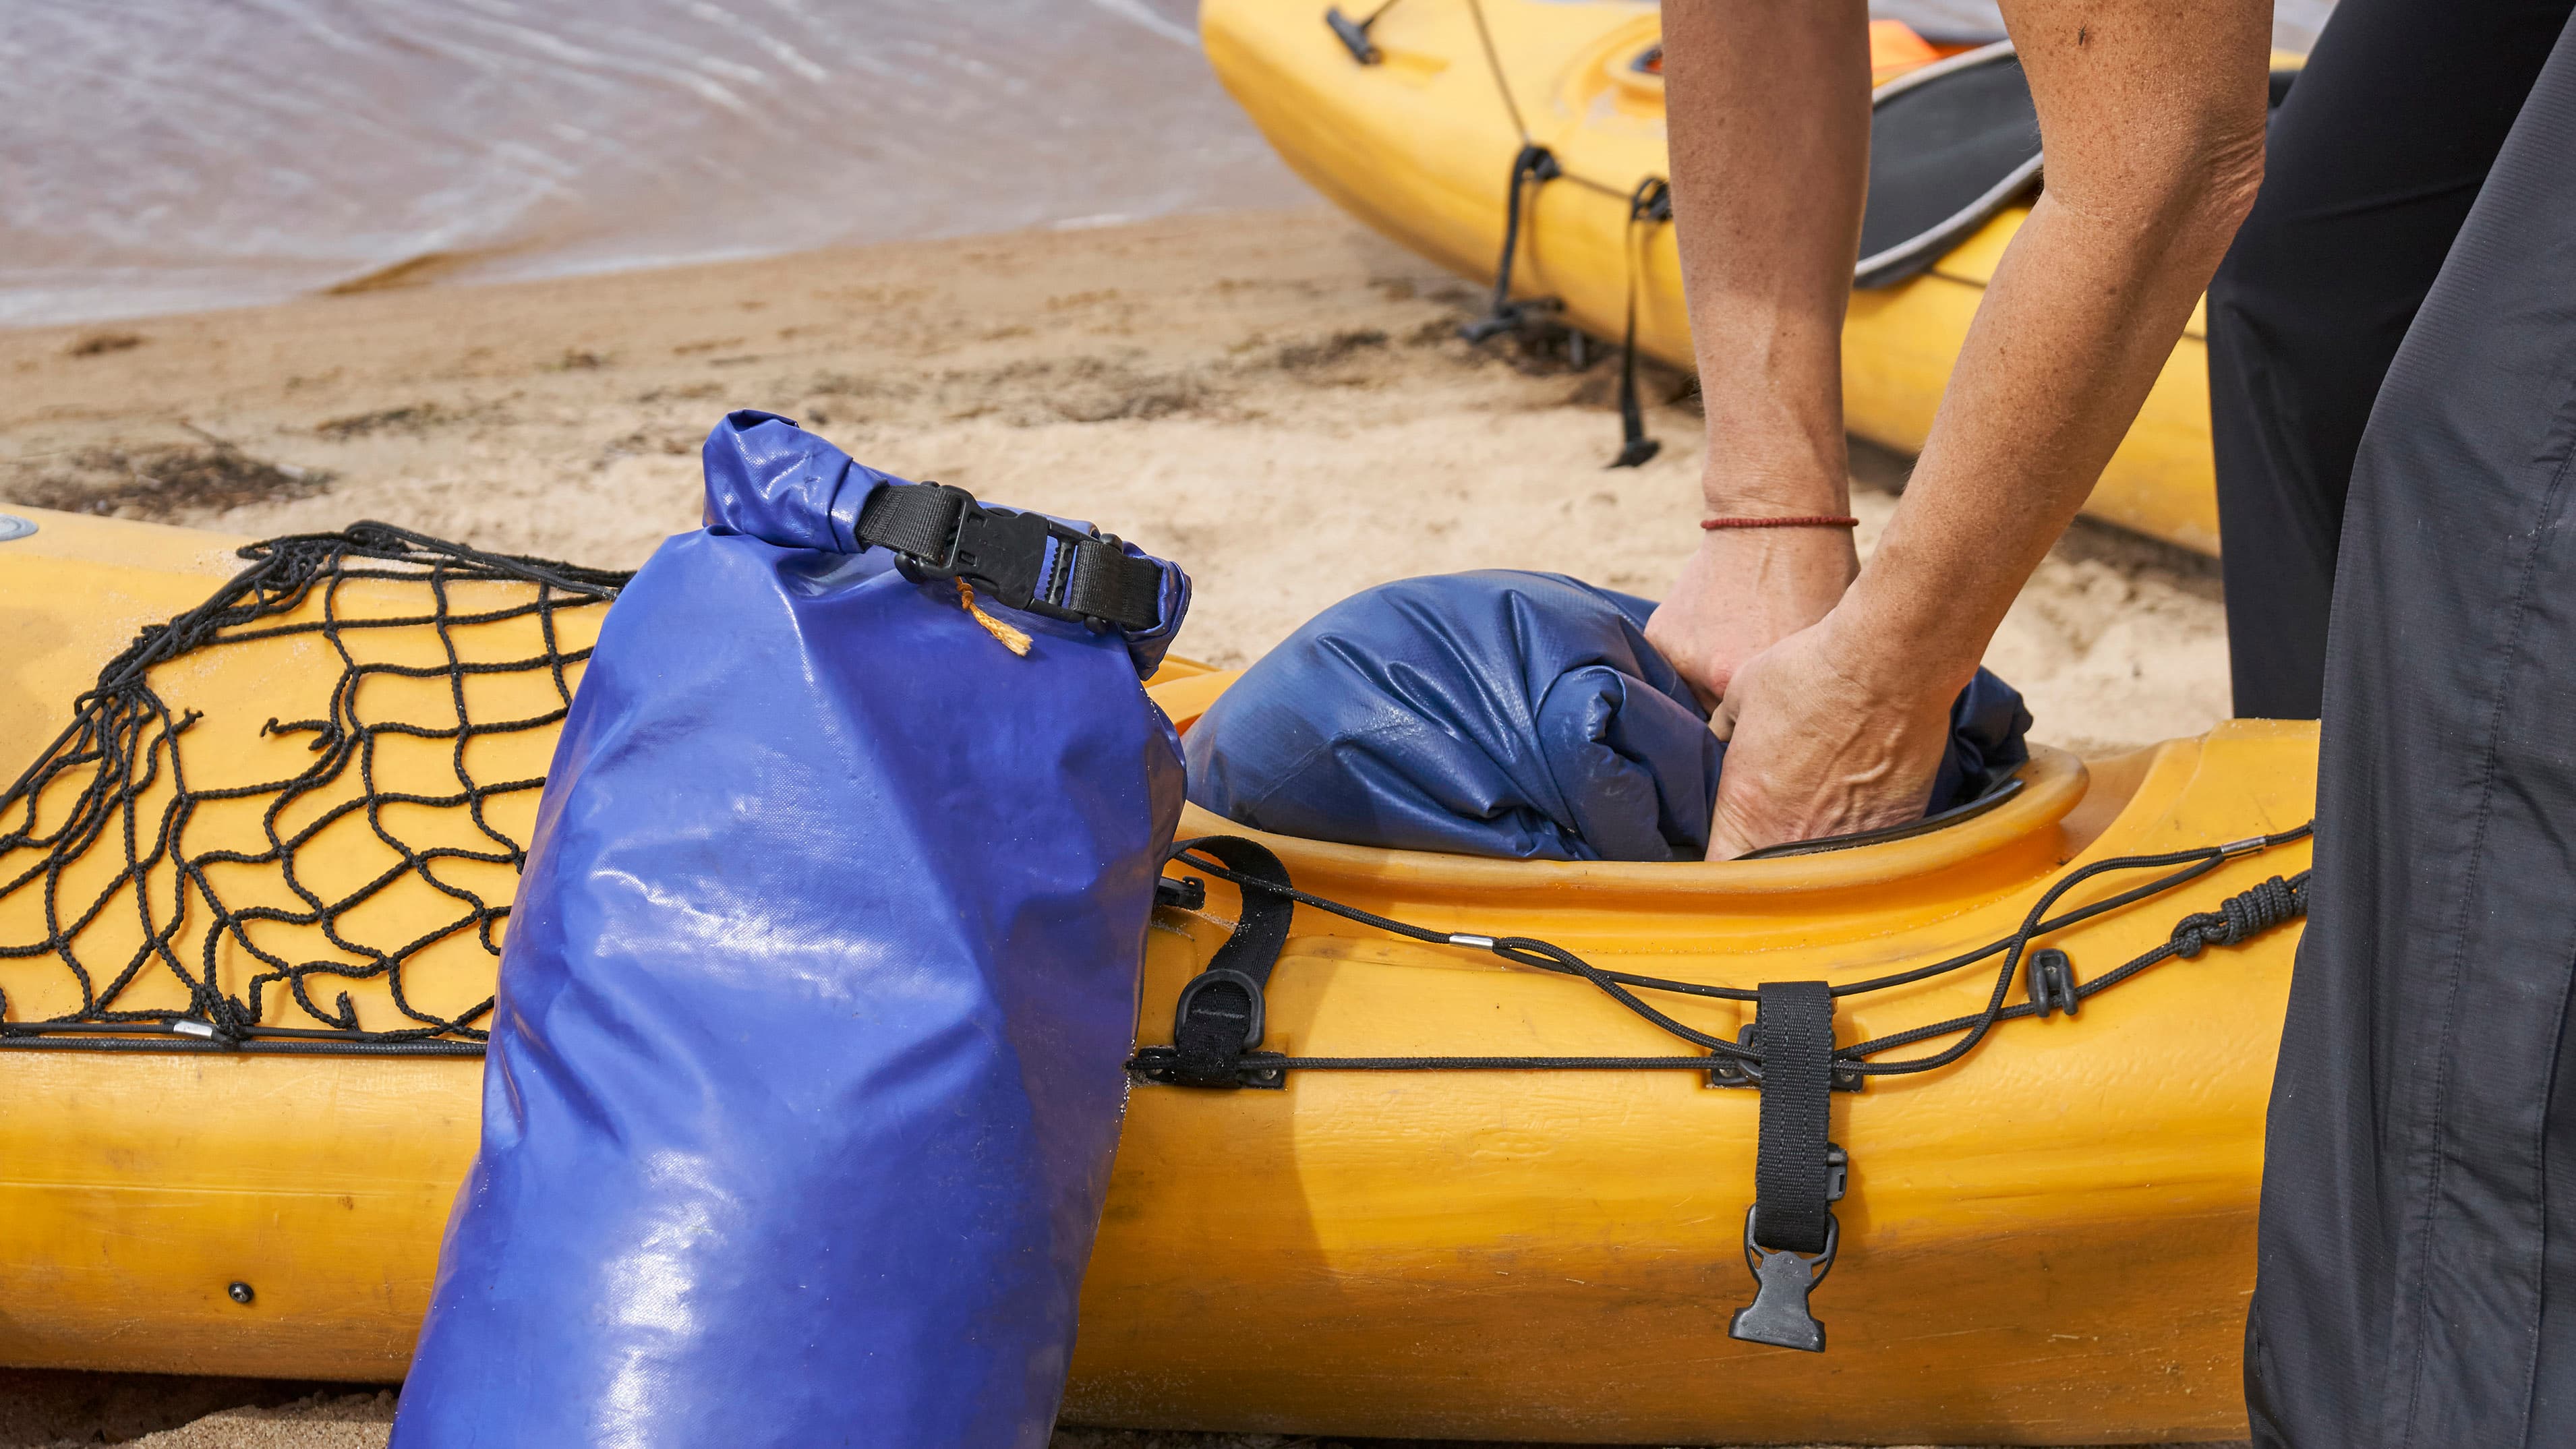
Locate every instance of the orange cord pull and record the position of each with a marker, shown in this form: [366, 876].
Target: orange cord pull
[1012, 639]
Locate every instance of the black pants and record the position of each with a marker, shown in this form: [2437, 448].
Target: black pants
[2418, 1246]
[2374, 160]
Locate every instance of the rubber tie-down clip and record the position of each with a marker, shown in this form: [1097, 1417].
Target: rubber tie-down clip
[2052, 983]
[1791, 1236]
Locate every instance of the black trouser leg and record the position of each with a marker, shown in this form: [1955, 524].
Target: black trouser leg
[2375, 158]
[2414, 1283]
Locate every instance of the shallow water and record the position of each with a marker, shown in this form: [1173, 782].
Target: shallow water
[161, 157]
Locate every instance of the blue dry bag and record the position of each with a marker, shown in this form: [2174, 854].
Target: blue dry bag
[806, 1070]
[1501, 713]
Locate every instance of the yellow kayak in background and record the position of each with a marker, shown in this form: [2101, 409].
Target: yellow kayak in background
[2047, 1242]
[1418, 145]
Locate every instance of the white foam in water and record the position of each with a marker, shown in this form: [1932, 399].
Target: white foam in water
[164, 158]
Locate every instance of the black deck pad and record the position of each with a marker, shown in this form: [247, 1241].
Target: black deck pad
[1950, 145]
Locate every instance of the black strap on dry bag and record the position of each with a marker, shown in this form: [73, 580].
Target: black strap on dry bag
[1024, 560]
[1790, 1235]
[1217, 1023]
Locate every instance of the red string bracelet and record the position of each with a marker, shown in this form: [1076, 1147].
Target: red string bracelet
[1795, 520]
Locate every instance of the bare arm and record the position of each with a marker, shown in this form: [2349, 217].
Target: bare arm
[1768, 114]
[2152, 112]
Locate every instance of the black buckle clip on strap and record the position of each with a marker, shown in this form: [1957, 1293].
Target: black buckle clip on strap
[1217, 1023]
[1791, 1236]
[1024, 560]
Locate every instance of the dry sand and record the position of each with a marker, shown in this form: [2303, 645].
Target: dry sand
[342, 1420]
[1277, 400]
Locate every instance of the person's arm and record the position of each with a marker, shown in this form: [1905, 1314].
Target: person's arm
[1767, 111]
[2152, 112]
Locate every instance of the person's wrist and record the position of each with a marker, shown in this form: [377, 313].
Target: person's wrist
[1750, 492]
[1891, 657]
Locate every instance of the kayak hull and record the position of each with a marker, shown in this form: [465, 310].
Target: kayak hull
[2050, 1242]
[1418, 147]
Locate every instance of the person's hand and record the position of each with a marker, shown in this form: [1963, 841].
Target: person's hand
[1743, 591]
[1824, 739]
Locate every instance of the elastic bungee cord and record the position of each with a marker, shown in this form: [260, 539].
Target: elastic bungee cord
[1649, 203]
[1788, 1052]
[102, 774]
[2239, 918]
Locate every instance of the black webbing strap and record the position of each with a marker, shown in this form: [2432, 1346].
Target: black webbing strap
[1218, 1020]
[1791, 1178]
[1024, 560]
[1790, 1236]
[1534, 165]
[1651, 202]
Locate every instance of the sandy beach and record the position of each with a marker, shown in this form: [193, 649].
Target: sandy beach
[1278, 400]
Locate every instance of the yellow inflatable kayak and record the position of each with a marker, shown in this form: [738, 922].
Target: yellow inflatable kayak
[2049, 1241]
[1419, 141]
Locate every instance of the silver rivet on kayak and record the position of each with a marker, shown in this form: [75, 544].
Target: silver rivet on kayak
[239, 1292]
[13, 526]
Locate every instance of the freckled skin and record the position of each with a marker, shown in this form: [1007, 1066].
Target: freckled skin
[1834, 681]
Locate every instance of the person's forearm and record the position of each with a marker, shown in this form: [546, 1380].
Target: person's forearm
[2081, 316]
[1769, 128]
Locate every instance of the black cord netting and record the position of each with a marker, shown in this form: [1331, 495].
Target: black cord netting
[117, 780]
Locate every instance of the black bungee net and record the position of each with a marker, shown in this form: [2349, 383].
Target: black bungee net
[116, 779]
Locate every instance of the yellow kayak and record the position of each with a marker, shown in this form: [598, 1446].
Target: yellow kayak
[1418, 145]
[2048, 1242]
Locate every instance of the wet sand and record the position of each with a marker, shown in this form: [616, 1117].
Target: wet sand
[1278, 400]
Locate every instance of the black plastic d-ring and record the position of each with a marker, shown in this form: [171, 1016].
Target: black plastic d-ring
[1198, 985]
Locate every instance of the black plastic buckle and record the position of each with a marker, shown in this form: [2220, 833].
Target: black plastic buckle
[1724, 1071]
[1189, 893]
[1779, 1314]
[2052, 982]
[1025, 560]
